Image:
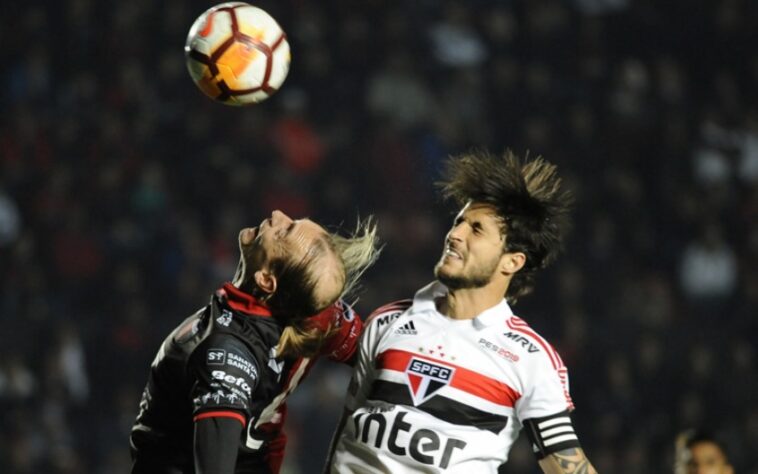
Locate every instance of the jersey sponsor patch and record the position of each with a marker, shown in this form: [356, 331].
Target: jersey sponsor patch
[523, 341]
[231, 381]
[230, 359]
[226, 380]
[426, 378]
[216, 357]
[389, 430]
[388, 318]
[500, 351]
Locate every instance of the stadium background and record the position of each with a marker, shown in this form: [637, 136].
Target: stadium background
[122, 189]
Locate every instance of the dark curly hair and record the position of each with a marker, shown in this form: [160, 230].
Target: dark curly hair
[528, 196]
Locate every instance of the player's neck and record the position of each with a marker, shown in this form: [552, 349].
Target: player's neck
[469, 303]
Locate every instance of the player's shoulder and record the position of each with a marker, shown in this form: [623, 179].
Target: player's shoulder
[530, 343]
[384, 315]
[251, 337]
[335, 315]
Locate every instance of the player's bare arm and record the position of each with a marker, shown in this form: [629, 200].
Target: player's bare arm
[568, 461]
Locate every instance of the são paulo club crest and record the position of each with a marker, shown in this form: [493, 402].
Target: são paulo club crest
[425, 378]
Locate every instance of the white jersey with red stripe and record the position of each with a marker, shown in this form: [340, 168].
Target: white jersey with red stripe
[434, 394]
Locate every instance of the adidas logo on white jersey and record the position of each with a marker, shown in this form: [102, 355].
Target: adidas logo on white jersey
[409, 329]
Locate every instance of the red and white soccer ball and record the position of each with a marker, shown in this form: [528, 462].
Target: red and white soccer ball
[237, 54]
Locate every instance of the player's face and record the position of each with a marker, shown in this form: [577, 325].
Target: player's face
[707, 458]
[281, 237]
[473, 248]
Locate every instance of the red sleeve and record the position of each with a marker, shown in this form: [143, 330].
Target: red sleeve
[341, 347]
[275, 453]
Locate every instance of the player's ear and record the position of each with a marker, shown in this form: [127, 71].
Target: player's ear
[511, 262]
[266, 281]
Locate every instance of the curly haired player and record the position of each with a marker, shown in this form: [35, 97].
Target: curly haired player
[446, 381]
[214, 400]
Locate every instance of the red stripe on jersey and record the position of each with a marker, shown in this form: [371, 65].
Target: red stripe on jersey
[464, 379]
[555, 359]
[220, 414]
[516, 321]
[563, 376]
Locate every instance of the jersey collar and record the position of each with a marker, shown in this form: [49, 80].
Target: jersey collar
[424, 301]
[242, 302]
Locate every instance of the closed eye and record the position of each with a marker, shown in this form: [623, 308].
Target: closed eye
[283, 233]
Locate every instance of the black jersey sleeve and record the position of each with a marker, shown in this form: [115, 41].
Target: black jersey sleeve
[215, 445]
[225, 375]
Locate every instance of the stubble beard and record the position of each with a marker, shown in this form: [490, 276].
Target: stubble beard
[479, 278]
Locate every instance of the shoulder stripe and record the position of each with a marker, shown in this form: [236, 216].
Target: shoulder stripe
[397, 306]
[517, 324]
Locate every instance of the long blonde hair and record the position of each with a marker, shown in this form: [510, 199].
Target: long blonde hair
[356, 253]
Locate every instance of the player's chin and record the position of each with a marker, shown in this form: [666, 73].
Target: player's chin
[442, 270]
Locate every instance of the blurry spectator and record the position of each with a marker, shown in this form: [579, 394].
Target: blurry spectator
[700, 453]
[295, 138]
[17, 381]
[708, 268]
[398, 94]
[10, 222]
[68, 369]
[455, 41]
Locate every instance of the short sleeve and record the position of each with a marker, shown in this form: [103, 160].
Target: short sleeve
[546, 395]
[225, 374]
[544, 410]
[364, 371]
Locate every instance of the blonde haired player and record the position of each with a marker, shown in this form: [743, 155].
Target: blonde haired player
[215, 396]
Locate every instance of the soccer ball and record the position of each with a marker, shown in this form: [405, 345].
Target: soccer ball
[237, 54]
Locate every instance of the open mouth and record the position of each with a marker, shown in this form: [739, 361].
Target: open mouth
[452, 253]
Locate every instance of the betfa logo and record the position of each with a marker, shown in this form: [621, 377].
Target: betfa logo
[425, 379]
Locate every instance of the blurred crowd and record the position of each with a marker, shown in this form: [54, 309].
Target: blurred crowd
[122, 189]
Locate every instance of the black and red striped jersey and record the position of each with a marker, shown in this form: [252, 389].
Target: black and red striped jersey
[433, 394]
[221, 362]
